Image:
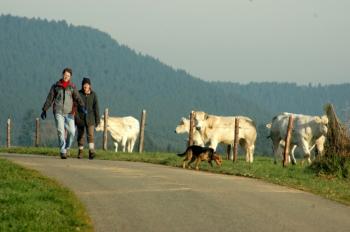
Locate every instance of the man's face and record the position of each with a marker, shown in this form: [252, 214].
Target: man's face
[66, 76]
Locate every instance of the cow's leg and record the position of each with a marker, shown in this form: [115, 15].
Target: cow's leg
[276, 149]
[243, 143]
[306, 150]
[128, 145]
[251, 153]
[291, 156]
[124, 139]
[319, 148]
[132, 144]
[213, 144]
[249, 150]
[116, 146]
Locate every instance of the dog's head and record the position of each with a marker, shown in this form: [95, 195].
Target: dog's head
[217, 158]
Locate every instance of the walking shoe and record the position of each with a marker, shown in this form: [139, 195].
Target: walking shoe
[80, 153]
[63, 155]
[91, 154]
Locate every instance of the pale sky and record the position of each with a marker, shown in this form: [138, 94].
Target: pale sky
[303, 41]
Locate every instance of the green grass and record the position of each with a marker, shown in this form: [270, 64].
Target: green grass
[32, 202]
[298, 177]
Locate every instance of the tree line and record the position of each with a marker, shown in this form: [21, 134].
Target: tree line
[34, 51]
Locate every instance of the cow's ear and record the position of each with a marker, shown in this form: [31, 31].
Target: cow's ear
[206, 116]
[318, 119]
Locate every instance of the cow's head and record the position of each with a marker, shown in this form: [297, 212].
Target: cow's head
[322, 123]
[200, 119]
[100, 126]
[183, 127]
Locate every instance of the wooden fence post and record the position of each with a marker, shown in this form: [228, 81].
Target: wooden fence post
[287, 141]
[142, 131]
[8, 133]
[105, 129]
[236, 140]
[37, 132]
[190, 134]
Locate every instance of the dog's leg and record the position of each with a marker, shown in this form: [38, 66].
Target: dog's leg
[184, 163]
[198, 160]
[191, 161]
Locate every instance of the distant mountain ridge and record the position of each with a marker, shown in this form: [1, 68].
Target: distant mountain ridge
[33, 53]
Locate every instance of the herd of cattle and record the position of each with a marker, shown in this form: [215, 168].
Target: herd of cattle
[308, 132]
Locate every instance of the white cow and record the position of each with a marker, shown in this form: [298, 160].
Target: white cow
[319, 145]
[123, 130]
[307, 132]
[218, 129]
[184, 127]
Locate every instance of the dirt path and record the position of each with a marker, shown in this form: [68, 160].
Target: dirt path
[127, 196]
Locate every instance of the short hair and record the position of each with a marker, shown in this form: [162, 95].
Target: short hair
[67, 70]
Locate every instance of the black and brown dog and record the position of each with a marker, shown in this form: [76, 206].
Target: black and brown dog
[198, 154]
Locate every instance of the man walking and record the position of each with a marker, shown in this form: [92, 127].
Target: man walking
[86, 123]
[62, 95]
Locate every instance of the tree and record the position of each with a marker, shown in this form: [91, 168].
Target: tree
[27, 131]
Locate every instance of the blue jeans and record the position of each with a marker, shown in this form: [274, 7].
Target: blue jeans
[63, 122]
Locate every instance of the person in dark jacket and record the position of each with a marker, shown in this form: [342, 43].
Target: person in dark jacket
[86, 123]
[62, 95]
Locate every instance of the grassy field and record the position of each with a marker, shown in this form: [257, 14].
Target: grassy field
[31, 202]
[298, 177]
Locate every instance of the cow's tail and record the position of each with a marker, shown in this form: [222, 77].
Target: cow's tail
[268, 126]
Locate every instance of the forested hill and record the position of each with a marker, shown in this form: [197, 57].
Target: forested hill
[33, 53]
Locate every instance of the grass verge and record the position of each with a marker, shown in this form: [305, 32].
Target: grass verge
[32, 202]
[296, 176]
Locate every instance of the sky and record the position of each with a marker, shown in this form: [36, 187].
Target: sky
[302, 41]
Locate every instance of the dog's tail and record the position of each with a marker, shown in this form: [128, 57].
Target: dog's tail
[182, 154]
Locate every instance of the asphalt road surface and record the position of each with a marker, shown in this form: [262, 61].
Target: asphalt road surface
[128, 196]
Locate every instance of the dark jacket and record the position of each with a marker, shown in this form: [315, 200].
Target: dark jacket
[91, 104]
[62, 98]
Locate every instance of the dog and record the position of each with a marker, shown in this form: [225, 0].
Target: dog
[198, 154]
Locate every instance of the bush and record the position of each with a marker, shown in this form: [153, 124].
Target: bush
[332, 165]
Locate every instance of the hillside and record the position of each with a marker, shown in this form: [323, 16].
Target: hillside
[33, 52]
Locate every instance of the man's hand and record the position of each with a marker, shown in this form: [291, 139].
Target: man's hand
[84, 110]
[43, 115]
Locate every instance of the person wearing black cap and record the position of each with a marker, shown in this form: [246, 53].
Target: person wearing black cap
[86, 123]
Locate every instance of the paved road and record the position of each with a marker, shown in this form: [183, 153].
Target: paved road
[127, 196]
